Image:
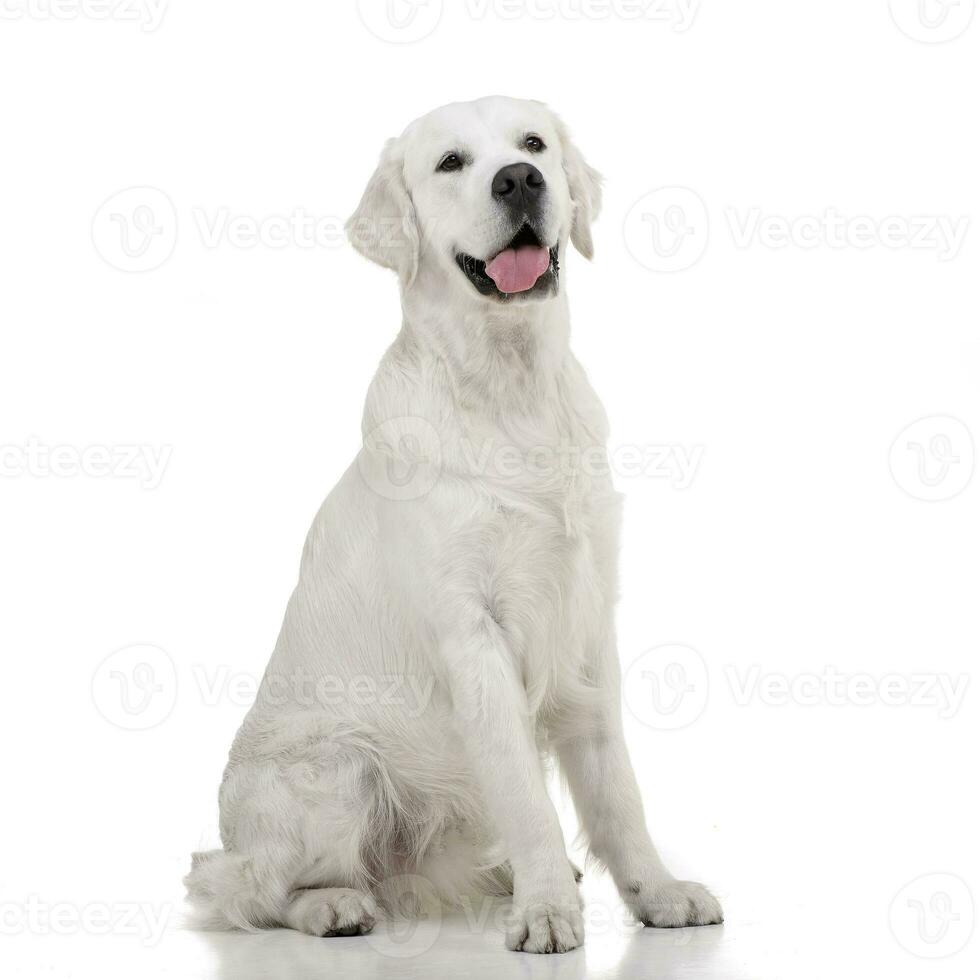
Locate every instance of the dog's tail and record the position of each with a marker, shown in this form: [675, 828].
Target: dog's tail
[234, 891]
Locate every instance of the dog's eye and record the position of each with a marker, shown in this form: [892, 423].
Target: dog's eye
[450, 162]
[534, 143]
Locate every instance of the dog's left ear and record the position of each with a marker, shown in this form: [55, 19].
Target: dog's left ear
[585, 187]
[383, 228]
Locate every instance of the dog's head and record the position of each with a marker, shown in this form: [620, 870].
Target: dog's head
[480, 197]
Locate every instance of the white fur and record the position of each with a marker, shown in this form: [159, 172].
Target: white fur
[486, 590]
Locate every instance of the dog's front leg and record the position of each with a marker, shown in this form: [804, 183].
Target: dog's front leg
[607, 800]
[490, 707]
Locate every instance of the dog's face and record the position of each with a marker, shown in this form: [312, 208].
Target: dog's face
[484, 195]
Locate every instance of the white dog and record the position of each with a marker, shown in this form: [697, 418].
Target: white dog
[452, 628]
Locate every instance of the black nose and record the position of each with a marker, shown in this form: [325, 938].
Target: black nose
[518, 185]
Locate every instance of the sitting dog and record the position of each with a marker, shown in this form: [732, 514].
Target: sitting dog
[452, 629]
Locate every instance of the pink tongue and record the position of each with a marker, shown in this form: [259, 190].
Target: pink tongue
[515, 270]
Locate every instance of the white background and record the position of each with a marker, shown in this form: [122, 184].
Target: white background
[805, 551]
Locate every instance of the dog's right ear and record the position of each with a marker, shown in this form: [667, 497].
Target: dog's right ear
[383, 228]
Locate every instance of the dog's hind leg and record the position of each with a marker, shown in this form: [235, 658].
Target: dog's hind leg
[307, 815]
[249, 892]
[243, 891]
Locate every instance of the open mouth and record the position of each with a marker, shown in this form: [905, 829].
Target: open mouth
[526, 267]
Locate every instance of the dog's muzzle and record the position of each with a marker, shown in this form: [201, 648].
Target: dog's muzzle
[526, 266]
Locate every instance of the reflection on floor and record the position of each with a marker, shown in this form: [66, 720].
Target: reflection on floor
[458, 945]
[815, 936]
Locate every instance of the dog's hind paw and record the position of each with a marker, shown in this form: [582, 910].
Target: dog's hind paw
[332, 912]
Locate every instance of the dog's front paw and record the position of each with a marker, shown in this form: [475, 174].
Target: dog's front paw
[545, 928]
[671, 904]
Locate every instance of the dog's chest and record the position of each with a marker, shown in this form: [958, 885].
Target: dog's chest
[548, 514]
[549, 593]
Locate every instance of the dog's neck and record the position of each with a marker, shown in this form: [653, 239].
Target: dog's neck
[499, 357]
